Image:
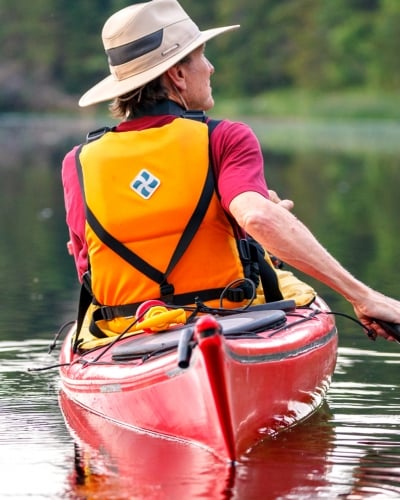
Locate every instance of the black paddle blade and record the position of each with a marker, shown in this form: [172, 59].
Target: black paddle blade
[392, 329]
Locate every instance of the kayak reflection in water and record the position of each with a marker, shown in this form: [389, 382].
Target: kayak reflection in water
[114, 462]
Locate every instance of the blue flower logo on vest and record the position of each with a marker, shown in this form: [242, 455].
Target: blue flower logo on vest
[144, 184]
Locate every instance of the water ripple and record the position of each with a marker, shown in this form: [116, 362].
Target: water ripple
[365, 403]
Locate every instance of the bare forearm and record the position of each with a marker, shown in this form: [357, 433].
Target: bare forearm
[285, 236]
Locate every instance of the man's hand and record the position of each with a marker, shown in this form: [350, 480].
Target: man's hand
[273, 196]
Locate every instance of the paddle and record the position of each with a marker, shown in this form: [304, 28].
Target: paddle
[392, 329]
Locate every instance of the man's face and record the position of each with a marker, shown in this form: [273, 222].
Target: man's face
[198, 70]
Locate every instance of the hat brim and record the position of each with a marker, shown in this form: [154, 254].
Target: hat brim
[110, 87]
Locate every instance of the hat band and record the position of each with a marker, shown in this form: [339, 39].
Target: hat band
[132, 50]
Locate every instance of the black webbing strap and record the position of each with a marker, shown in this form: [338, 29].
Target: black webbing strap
[182, 299]
[190, 230]
[124, 252]
[268, 277]
[85, 299]
[194, 222]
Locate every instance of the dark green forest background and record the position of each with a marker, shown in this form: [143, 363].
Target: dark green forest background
[51, 50]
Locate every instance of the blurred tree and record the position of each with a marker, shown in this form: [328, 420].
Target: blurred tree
[349, 27]
[309, 44]
[385, 70]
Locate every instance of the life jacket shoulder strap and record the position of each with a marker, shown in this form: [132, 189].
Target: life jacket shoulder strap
[96, 134]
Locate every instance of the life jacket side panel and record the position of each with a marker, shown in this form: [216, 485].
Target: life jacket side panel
[144, 168]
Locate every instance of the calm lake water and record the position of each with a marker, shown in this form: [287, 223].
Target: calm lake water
[345, 189]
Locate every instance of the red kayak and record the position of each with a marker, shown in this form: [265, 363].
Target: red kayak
[222, 383]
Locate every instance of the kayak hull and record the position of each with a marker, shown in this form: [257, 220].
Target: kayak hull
[235, 391]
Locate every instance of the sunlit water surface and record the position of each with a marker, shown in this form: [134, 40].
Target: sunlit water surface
[349, 449]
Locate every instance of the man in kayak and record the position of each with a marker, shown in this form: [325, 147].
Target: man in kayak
[161, 205]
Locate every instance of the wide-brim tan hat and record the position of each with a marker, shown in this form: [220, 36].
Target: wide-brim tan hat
[143, 41]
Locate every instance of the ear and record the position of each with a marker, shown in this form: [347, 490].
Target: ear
[177, 76]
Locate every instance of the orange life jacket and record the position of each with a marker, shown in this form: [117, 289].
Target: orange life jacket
[141, 190]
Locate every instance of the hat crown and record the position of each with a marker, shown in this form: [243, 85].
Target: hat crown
[145, 35]
[140, 20]
[143, 41]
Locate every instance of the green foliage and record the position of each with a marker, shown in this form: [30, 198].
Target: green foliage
[282, 44]
[385, 72]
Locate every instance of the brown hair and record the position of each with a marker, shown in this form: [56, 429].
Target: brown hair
[128, 105]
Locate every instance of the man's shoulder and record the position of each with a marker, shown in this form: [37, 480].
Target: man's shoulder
[226, 124]
[231, 130]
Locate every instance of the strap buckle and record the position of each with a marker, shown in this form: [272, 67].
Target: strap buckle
[235, 294]
[167, 292]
